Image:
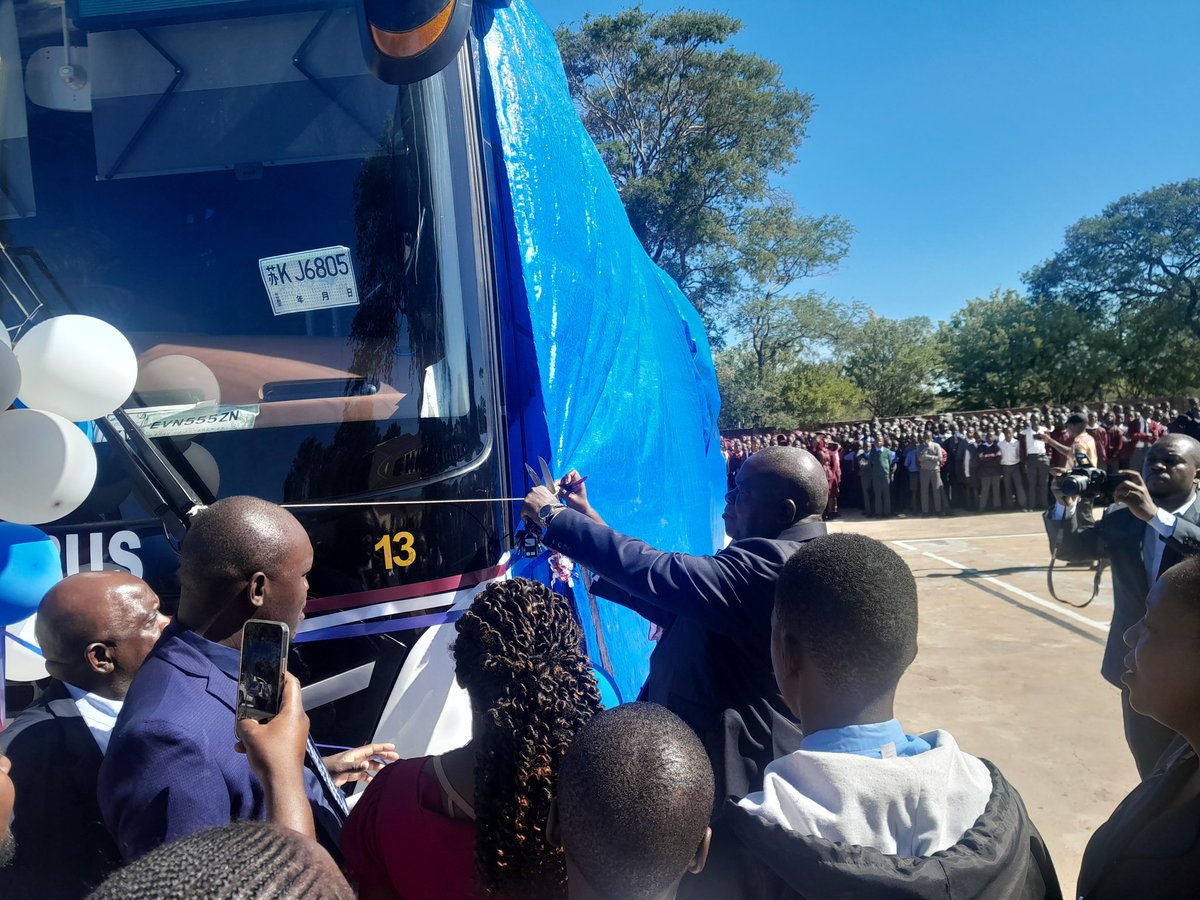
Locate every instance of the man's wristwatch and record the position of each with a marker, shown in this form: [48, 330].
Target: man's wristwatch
[548, 512]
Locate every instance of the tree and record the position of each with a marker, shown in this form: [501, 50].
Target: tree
[782, 329]
[1140, 255]
[817, 393]
[783, 396]
[1006, 351]
[1150, 355]
[894, 363]
[691, 131]
[777, 248]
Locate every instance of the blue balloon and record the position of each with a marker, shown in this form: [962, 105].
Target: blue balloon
[29, 566]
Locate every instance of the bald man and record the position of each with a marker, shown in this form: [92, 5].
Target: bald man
[1155, 525]
[95, 630]
[171, 769]
[712, 664]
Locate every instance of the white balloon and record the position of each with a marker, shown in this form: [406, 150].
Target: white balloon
[21, 663]
[10, 375]
[205, 465]
[47, 466]
[176, 379]
[78, 367]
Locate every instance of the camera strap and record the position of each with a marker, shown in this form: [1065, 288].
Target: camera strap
[1100, 565]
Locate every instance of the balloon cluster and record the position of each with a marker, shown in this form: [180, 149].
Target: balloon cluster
[65, 370]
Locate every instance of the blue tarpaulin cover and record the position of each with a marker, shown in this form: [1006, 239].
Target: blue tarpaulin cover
[625, 370]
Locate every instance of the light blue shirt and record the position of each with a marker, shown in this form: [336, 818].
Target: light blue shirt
[875, 740]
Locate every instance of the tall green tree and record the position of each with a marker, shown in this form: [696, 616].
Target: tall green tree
[691, 130]
[894, 363]
[1150, 355]
[1005, 350]
[783, 395]
[777, 249]
[1141, 255]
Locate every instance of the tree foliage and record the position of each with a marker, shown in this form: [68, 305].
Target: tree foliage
[894, 363]
[1139, 258]
[783, 395]
[693, 131]
[690, 129]
[781, 329]
[1005, 350]
[777, 250]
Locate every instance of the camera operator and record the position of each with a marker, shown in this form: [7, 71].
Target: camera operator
[1081, 451]
[1156, 524]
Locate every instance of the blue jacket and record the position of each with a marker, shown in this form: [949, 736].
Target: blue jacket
[171, 768]
[712, 666]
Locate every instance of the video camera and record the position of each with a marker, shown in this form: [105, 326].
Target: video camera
[1088, 483]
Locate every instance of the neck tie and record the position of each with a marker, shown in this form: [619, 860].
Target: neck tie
[1150, 554]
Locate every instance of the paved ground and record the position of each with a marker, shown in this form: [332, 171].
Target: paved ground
[1012, 674]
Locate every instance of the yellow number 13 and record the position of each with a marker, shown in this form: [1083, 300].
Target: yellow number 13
[403, 555]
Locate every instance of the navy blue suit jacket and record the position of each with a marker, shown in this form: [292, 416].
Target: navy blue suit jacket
[712, 666]
[171, 768]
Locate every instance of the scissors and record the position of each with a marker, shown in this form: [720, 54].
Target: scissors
[552, 484]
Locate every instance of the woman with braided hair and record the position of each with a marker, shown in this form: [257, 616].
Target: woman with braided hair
[415, 834]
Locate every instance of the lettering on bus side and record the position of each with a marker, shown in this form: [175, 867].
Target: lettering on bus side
[121, 547]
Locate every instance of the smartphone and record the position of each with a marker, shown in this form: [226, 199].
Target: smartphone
[264, 663]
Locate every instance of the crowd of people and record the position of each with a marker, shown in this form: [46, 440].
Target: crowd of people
[764, 757]
[937, 465]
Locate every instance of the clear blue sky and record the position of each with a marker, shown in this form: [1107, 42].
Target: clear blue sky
[962, 137]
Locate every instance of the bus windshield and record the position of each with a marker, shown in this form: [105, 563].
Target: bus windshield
[289, 243]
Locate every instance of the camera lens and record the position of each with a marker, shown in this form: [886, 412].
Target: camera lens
[1073, 485]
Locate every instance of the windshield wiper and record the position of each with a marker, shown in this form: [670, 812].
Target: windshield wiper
[175, 501]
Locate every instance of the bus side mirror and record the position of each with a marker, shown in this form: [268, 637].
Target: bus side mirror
[406, 41]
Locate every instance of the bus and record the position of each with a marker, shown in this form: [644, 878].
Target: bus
[291, 209]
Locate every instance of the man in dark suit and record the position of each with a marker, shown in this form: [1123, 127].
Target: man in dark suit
[172, 768]
[95, 629]
[1158, 526]
[712, 664]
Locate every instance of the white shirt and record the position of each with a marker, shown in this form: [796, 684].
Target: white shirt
[1163, 524]
[1010, 453]
[99, 714]
[1035, 445]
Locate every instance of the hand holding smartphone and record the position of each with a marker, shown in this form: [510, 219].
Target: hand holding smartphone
[276, 752]
[264, 664]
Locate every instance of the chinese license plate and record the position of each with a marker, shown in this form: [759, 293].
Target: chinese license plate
[312, 279]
